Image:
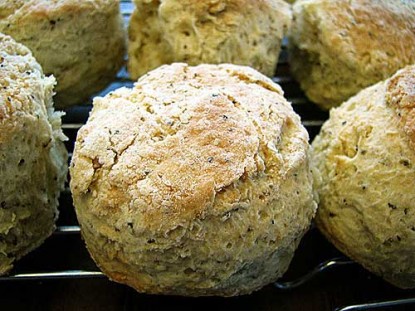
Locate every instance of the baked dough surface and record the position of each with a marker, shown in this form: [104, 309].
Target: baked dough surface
[33, 159]
[195, 182]
[365, 178]
[243, 32]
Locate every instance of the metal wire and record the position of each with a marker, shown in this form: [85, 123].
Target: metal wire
[332, 263]
[65, 274]
[377, 305]
[65, 230]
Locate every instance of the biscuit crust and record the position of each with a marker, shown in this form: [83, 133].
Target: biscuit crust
[195, 182]
[243, 32]
[339, 47]
[82, 43]
[33, 159]
[365, 158]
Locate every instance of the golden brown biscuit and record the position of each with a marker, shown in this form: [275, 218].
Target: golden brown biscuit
[339, 47]
[80, 42]
[195, 182]
[33, 159]
[244, 32]
[365, 154]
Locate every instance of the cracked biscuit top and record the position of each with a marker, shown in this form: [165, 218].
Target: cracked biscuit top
[195, 182]
[182, 135]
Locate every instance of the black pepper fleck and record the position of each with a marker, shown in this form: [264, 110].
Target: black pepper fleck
[391, 206]
[210, 159]
[404, 163]
[49, 141]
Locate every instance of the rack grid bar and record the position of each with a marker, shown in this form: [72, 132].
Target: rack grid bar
[65, 274]
[377, 305]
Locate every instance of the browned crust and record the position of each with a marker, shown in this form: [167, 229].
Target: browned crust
[400, 96]
[202, 171]
[217, 147]
[359, 28]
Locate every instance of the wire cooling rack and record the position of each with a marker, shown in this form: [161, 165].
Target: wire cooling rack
[68, 228]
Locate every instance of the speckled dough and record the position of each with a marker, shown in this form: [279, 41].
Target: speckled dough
[365, 154]
[195, 182]
[339, 47]
[81, 43]
[244, 32]
[33, 159]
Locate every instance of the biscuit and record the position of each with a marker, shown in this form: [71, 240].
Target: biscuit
[365, 155]
[82, 43]
[339, 47]
[33, 159]
[243, 32]
[195, 182]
